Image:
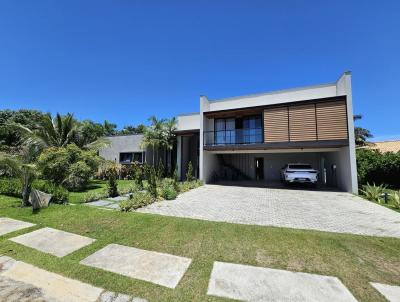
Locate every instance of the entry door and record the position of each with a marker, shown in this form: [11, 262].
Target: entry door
[259, 165]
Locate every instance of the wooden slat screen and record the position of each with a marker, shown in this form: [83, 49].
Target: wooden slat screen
[332, 120]
[276, 125]
[302, 123]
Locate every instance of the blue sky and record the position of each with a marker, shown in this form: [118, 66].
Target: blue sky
[126, 60]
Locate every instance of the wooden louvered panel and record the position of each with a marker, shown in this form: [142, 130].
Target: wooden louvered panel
[302, 123]
[332, 120]
[276, 125]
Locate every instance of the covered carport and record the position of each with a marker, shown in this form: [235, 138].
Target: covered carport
[263, 167]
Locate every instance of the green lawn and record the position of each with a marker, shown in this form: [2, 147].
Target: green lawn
[356, 260]
[95, 186]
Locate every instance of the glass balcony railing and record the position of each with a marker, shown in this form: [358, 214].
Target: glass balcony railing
[233, 137]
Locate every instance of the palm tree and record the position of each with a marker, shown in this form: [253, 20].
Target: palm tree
[52, 132]
[109, 128]
[169, 138]
[59, 132]
[154, 135]
[23, 167]
[361, 134]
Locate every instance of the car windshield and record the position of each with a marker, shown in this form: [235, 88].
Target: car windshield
[300, 167]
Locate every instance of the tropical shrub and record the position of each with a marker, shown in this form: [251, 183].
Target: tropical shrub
[127, 172]
[137, 200]
[112, 176]
[11, 187]
[151, 177]
[160, 170]
[92, 196]
[168, 191]
[132, 188]
[189, 185]
[68, 166]
[395, 198]
[189, 173]
[78, 176]
[373, 192]
[138, 174]
[379, 168]
[175, 179]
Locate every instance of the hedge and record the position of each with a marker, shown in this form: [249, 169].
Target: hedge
[378, 168]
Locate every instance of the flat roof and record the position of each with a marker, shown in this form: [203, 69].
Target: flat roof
[273, 92]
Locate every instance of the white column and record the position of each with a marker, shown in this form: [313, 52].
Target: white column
[343, 87]
[179, 155]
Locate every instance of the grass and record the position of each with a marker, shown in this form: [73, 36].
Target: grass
[96, 186]
[356, 260]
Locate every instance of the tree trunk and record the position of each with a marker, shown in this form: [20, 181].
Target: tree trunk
[153, 154]
[26, 189]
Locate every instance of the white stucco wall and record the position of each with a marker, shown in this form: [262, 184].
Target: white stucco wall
[188, 122]
[120, 144]
[278, 97]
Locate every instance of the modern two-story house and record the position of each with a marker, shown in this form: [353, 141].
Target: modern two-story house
[250, 138]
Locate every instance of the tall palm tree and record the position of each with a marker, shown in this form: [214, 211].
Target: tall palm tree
[22, 167]
[169, 139]
[361, 134]
[154, 135]
[59, 132]
[52, 132]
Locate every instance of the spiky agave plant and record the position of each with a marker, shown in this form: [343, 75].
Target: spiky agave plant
[396, 199]
[373, 192]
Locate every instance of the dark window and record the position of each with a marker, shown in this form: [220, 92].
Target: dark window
[138, 156]
[244, 130]
[128, 157]
[252, 131]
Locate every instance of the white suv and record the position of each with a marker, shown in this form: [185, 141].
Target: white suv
[299, 173]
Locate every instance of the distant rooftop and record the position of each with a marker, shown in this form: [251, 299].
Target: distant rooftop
[385, 146]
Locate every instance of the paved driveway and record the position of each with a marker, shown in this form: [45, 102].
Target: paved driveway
[300, 209]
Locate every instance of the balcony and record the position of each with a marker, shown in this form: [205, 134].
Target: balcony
[233, 137]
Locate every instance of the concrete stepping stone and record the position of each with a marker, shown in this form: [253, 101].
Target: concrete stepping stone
[250, 283]
[52, 241]
[119, 198]
[115, 297]
[159, 268]
[99, 203]
[44, 285]
[390, 292]
[113, 206]
[26, 283]
[8, 225]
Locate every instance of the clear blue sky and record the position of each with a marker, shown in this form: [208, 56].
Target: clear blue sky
[126, 60]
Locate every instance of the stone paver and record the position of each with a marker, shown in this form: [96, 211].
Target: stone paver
[8, 225]
[390, 292]
[23, 282]
[99, 203]
[52, 241]
[301, 209]
[46, 285]
[119, 198]
[250, 283]
[159, 268]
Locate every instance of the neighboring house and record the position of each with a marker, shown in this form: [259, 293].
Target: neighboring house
[124, 149]
[252, 137]
[385, 146]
